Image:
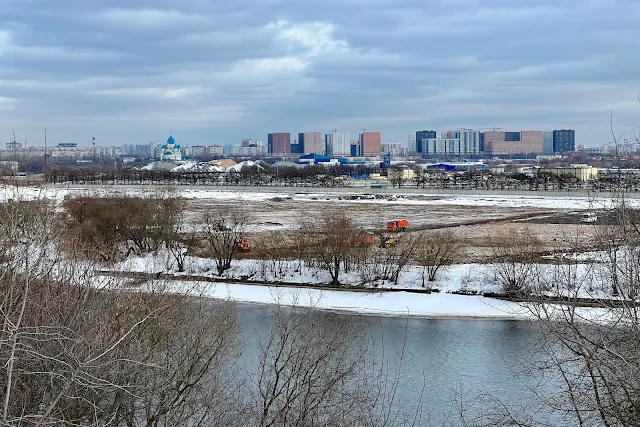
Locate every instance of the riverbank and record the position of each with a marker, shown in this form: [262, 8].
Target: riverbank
[380, 303]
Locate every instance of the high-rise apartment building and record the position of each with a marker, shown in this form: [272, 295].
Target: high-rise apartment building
[279, 143]
[547, 142]
[393, 148]
[421, 136]
[525, 142]
[370, 144]
[311, 143]
[355, 149]
[338, 143]
[411, 143]
[250, 151]
[564, 140]
[471, 141]
[442, 146]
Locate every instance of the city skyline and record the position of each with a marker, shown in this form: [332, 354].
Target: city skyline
[128, 72]
[322, 140]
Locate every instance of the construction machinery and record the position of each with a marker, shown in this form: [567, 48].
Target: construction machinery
[367, 238]
[398, 225]
[389, 240]
[243, 245]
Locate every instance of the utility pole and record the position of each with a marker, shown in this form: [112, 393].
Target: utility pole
[46, 175]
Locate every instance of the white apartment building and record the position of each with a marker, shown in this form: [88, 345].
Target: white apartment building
[442, 147]
[338, 144]
[251, 151]
[470, 141]
[412, 143]
[395, 148]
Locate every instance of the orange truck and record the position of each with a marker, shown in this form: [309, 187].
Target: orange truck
[367, 238]
[399, 225]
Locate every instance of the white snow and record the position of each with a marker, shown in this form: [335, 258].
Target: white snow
[379, 303]
[248, 163]
[266, 193]
[197, 167]
[435, 305]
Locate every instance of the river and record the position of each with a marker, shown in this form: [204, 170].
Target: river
[444, 359]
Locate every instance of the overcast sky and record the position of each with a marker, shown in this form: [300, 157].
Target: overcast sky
[214, 71]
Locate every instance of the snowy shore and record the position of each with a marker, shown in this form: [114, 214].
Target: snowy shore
[398, 304]
[254, 281]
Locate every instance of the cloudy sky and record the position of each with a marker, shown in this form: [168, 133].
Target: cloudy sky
[214, 71]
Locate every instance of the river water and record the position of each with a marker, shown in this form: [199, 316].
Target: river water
[444, 359]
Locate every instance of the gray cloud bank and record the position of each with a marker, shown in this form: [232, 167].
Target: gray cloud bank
[215, 72]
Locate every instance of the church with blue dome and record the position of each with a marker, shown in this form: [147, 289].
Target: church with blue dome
[170, 151]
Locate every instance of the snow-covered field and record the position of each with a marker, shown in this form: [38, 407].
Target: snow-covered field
[265, 194]
[475, 277]
[279, 210]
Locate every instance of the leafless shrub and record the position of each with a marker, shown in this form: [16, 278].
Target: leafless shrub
[112, 226]
[75, 351]
[386, 263]
[435, 251]
[222, 231]
[513, 259]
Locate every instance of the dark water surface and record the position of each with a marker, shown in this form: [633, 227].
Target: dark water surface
[443, 360]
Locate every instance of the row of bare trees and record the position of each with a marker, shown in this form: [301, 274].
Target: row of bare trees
[114, 227]
[332, 241]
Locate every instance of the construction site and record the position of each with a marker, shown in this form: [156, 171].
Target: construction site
[382, 218]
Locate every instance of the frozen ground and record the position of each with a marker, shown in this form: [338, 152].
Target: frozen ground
[266, 194]
[280, 210]
[584, 280]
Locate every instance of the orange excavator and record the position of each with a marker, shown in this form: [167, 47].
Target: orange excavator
[398, 225]
[243, 245]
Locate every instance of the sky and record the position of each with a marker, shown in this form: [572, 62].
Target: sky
[215, 72]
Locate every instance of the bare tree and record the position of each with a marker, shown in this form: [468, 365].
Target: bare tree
[222, 231]
[75, 351]
[386, 261]
[318, 369]
[178, 240]
[435, 251]
[513, 258]
[333, 242]
[397, 177]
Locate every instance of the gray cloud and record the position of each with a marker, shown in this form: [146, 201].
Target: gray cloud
[214, 72]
